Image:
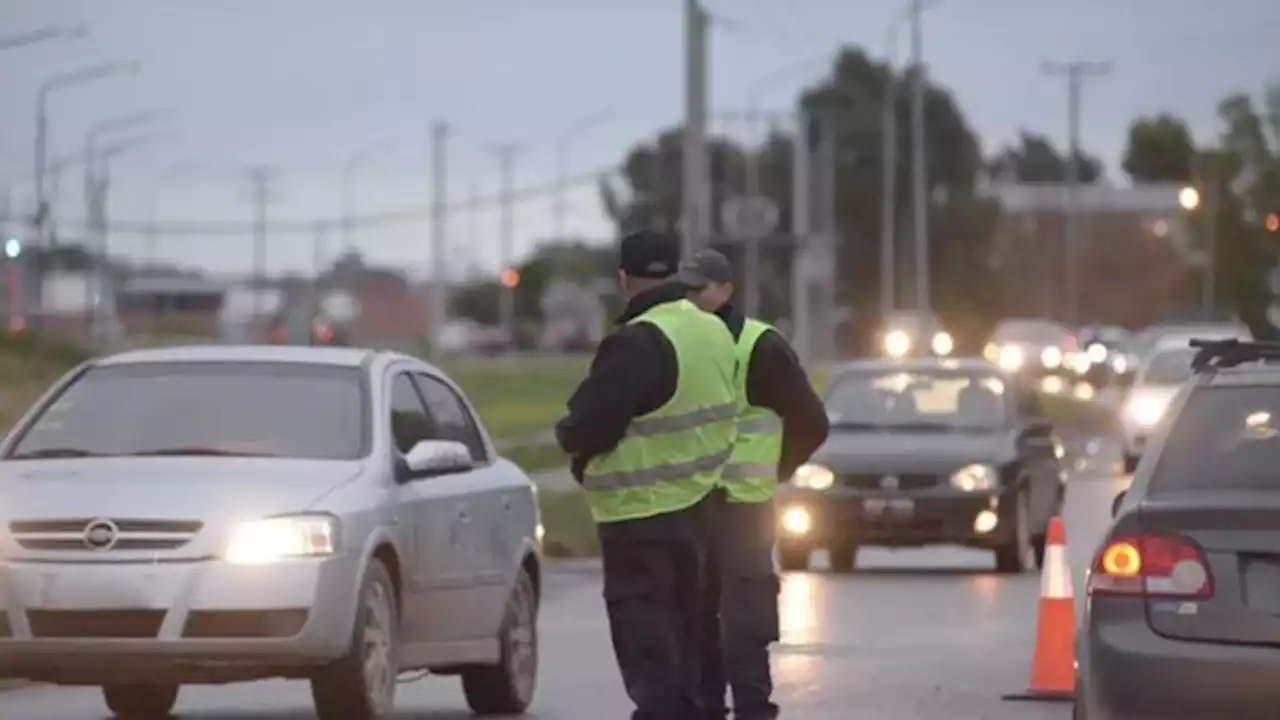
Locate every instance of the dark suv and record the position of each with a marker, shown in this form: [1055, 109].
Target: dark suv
[1183, 611]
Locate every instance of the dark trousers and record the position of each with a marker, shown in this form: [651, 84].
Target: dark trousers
[653, 589]
[740, 611]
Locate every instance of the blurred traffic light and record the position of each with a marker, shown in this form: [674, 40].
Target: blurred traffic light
[510, 278]
[1272, 222]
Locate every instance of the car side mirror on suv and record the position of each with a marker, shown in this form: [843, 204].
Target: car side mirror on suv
[432, 458]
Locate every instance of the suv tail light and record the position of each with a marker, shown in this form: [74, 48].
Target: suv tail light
[1151, 566]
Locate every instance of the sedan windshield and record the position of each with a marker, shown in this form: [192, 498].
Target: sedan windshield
[941, 400]
[215, 409]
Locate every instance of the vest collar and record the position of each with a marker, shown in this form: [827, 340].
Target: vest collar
[732, 318]
[651, 298]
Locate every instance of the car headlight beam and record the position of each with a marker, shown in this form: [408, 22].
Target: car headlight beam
[897, 343]
[943, 343]
[1145, 410]
[977, 477]
[1010, 358]
[813, 477]
[269, 540]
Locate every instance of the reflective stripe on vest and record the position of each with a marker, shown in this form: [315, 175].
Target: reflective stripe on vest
[672, 457]
[751, 475]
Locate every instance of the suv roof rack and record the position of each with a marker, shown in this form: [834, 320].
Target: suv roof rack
[1230, 352]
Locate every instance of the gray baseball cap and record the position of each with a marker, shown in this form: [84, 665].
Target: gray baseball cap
[704, 268]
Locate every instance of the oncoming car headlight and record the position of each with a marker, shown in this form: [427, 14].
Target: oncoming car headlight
[975, 478]
[1146, 410]
[897, 343]
[1011, 357]
[1051, 357]
[943, 343]
[813, 477]
[260, 542]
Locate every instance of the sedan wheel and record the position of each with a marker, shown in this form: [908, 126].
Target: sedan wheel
[140, 702]
[362, 684]
[1016, 555]
[507, 688]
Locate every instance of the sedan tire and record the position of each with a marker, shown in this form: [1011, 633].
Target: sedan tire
[1015, 555]
[843, 558]
[361, 685]
[793, 557]
[140, 702]
[507, 688]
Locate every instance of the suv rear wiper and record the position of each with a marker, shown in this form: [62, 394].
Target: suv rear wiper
[56, 452]
[196, 452]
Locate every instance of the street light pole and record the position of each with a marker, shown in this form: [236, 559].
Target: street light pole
[52, 32]
[506, 237]
[58, 82]
[695, 215]
[919, 166]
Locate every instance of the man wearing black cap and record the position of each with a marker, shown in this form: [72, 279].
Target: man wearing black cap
[649, 431]
[781, 422]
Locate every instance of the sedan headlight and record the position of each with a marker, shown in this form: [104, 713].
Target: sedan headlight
[897, 343]
[1120, 364]
[943, 343]
[1011, 358]
[1145, 410]
[261, 542]
[1051, 357]
[813, 477]
[975, 478]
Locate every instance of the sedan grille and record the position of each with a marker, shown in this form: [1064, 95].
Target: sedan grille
[95, 623]
[884, 481]
[103, 534]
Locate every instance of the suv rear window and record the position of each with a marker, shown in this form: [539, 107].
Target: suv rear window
[1225, 437]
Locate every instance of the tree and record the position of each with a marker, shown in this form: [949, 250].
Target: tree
[848, 104]
[1035, 159]
[1160, 149]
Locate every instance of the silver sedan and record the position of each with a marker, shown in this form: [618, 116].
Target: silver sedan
[219, 514]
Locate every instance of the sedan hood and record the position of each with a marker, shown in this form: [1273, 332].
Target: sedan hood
[174, 488]
[926, 452]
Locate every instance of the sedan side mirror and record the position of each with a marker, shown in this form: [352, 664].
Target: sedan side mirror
[1117, 502]
[431, 458]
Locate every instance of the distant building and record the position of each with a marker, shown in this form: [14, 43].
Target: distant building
[1135, 255]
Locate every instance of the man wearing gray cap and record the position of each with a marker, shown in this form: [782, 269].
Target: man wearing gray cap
[781, 421]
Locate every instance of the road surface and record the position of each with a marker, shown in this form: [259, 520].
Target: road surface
[919, 634]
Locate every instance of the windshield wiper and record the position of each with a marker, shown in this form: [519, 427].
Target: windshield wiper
[196, 452]
[55, 452]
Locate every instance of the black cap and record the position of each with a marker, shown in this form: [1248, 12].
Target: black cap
[706, 267]
[649, 254]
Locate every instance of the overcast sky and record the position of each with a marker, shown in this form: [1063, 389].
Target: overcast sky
[303, 86]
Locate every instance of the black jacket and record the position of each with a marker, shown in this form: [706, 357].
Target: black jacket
[634, 373]
[776, 380]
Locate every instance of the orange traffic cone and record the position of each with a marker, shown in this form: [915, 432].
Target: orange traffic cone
[1053, 670]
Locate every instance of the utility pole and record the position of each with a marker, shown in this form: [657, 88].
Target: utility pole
[260, 179]
[695, 214]
[920, 223]
[438, 309]
[506, 238]
[1075, 74]
[801, 206]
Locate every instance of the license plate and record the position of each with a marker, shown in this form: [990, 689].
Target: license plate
[1262, 584]
[901, 507]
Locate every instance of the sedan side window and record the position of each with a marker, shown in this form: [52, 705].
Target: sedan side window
[410, 422]
[451, 413]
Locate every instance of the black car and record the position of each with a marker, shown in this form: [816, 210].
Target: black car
[1183, 614]
[922, 452]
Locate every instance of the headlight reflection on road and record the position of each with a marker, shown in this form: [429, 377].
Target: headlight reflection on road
[798, 616]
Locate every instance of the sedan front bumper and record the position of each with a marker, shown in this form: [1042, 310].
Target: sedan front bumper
[196, 621]
[906, 519]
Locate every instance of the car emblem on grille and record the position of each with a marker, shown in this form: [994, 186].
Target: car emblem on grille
[889, 482]
[101, 534]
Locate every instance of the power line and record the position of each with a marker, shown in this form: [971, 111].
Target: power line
[373, 220]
